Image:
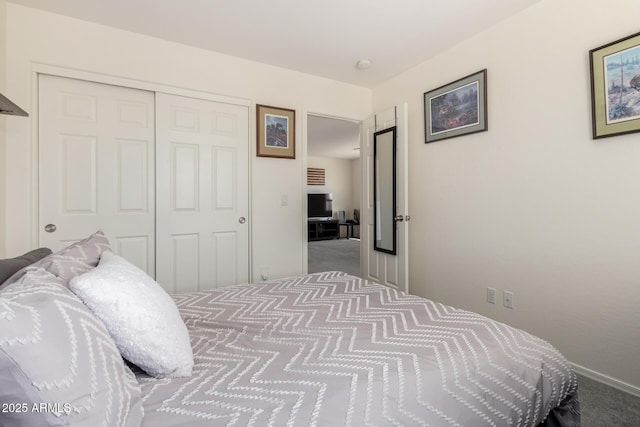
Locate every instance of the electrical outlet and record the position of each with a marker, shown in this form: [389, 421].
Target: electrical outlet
[491, 295]
[507, 299]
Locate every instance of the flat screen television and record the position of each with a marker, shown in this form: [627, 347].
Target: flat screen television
[320, 205]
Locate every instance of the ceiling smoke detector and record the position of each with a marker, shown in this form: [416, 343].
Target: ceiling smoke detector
[363, 64]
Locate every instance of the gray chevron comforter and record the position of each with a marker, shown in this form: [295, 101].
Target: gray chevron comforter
[328, 349]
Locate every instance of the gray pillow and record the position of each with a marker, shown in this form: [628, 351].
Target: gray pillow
[75, 259]
[8, 267]
[53, 351]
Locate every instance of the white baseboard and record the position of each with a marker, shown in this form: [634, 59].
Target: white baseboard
[597, 376]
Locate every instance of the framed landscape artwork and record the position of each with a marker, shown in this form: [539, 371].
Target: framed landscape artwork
[276, 132]
[615, 87]
[456, 109]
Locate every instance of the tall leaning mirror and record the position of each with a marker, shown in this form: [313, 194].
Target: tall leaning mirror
[384, 190]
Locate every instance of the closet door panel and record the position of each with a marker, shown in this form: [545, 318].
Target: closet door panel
[96, 166]
[202, 193]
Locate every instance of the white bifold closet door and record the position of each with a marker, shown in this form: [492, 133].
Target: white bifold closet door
[96, 166]
[202, 193]
[164, 176]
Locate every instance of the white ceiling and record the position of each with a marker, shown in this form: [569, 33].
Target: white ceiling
[328, 137]
[324, 38]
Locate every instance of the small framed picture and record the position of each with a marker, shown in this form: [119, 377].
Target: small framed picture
[456, 109]
[615, 87]
[276, 132]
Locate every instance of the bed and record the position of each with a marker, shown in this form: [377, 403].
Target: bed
[329, 349]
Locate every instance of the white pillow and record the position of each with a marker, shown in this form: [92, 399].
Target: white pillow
[140, 316]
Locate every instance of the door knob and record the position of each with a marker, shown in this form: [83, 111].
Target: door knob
[242, 220]
[50, 228]
[399, 218]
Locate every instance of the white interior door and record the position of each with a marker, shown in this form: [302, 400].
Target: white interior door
[96, 168]
[385, 268]
[202, 193]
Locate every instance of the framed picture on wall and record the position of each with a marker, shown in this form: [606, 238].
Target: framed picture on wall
[615, 87]
[456, 109]
[276, 132]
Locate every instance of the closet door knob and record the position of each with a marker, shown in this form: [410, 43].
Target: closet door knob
[242, 220]
[50, 228]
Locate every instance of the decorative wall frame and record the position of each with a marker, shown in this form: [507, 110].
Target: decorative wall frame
[456, 109]
[615, 87]
[276, 132]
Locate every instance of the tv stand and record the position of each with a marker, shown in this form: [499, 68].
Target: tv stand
[323, 229]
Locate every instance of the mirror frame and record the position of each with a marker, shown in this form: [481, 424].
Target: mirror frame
[384, 222]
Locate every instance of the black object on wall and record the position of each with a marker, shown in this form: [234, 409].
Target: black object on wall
[8, 107]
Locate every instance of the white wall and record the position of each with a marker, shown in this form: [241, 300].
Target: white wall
[39, 37]
[3, 24]
[534, 205]
[338, 180]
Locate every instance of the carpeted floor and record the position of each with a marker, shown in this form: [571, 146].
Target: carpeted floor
[600, 405]
[604, 406]
[335, 255]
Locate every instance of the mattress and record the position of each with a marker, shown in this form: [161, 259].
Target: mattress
[329, 349]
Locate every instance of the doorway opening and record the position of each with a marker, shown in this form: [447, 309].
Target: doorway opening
[334, 189]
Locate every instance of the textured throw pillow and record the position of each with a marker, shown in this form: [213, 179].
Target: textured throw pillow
[76, 258]
[140, 316]
[58, 364]
[8, 267]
